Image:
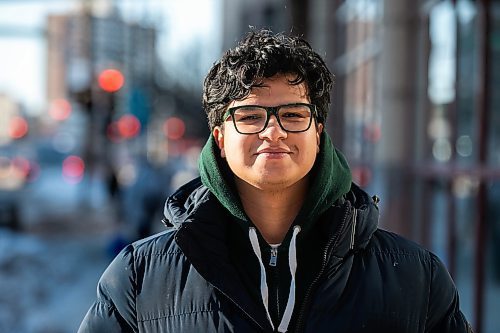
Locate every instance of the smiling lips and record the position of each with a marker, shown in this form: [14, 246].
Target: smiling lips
[273, 152]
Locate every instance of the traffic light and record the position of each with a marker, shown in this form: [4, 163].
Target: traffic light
[18, 127]
[111, 80]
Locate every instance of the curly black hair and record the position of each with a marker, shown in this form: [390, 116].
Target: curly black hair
[263, 54]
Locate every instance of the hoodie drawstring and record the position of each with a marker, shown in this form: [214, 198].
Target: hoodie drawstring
[292, 262]
[264, 291]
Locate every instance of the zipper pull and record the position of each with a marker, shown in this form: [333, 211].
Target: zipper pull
[274, 256]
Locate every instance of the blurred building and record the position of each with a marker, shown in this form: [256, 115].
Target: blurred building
[413, 108]
[243, 15]
[80, 46]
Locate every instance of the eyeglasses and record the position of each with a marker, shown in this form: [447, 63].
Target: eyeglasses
[253, 119]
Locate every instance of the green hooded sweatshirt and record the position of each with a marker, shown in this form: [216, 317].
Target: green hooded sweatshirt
[330, 180]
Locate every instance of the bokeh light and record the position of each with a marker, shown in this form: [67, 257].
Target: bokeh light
[18, 127]
[64, 142]
[174, 128]
[111, 80]
[129, 126]
[464, 146]
[362, 175]
[22, 164]
[441, 150]
[60, 109]
[73, 169]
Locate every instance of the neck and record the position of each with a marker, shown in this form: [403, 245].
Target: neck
[272, 211]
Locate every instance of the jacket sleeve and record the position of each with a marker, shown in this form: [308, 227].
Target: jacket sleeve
[114, 309]
[444, 315]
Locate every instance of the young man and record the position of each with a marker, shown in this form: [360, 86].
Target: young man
[273, 237]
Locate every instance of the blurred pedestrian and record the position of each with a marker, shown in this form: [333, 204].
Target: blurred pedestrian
[274, 236]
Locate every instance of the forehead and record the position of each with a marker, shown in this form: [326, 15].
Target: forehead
[276, 90]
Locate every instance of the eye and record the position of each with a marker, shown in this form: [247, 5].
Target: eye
[248, 116]
[294, 113]
[291, 115]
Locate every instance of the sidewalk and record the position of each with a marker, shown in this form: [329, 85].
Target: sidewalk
[49, 270]
[48, 282]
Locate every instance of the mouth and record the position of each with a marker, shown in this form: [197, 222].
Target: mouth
[273, 153]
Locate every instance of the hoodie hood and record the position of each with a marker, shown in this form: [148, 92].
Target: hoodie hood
[330, 180]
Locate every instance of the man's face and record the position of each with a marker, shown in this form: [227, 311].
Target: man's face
[272, 159]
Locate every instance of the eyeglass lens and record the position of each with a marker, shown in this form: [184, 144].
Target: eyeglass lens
[252, 119]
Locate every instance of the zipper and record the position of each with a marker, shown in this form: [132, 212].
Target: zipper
[353, 229]
[273, 261]
[274, 256]
[277, 285]
[333, 241]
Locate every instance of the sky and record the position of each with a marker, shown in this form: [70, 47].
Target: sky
[23, 56]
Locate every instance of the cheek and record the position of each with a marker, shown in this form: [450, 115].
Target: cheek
[309, 150]
[237, 150]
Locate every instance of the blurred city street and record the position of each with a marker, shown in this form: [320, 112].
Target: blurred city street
[48, 281]
[66, 236]
[101, 118]
[49, 270]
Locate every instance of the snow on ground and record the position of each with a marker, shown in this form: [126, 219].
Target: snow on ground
[48, 282]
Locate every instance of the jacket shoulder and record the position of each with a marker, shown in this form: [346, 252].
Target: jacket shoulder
[126, 268]
[384, 242]
[403, 260]
[115, 307]
[157, 244]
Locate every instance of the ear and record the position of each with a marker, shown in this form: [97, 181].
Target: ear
[218, 134]
[319, 130]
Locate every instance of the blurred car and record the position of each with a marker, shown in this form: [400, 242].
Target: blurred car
[16, 171]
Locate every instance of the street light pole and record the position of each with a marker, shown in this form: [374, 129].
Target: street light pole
[483, 110]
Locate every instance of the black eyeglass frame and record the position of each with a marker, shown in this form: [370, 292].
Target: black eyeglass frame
[271, 110]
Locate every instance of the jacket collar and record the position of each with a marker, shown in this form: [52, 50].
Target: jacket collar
[348, 224]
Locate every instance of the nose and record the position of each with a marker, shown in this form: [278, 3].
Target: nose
[273, 131]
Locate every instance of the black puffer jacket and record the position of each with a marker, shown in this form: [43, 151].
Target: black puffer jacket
[185, 280]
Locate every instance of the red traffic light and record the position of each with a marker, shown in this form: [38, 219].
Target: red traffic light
[18, 127]
[111, 80]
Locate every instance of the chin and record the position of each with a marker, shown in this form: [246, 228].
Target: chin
[274, 182]
[271, 186]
